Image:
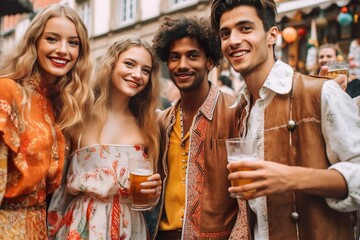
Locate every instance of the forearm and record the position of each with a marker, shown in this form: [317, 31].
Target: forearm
[321, 182]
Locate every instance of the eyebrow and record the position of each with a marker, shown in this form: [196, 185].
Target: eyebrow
[239, 23]
[58, 35]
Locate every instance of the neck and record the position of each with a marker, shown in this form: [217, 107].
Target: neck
[119, 104]
[191, 100]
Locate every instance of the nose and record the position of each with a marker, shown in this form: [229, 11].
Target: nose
[183, 64]
[136, 73]
[62, 48]
[235, 38]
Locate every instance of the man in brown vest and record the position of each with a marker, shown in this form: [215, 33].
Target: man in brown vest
[308, 133]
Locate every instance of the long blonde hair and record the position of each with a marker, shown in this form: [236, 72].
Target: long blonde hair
[75, 95]
[143, 105]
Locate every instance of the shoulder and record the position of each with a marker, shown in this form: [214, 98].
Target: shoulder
[226, 99]
[8, 87]
[164, 115]
[310, 83]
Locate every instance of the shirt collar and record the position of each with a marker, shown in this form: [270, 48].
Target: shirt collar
[279, 81]
[280, 78]
[208, 106]
[40, 85]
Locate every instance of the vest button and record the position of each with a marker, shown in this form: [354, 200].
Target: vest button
[291, 125]
[294, 217]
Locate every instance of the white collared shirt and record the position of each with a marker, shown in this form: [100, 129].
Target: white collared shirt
[340, 128]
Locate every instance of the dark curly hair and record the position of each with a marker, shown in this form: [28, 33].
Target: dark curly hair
[173, 28]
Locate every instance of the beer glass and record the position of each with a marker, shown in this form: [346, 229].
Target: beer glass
[336, 68]
[241, 149]
[140, 169]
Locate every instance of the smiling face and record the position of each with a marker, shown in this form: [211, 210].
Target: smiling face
[325, 55]
[244, 42]
[57, 48]
[188, 64]
[131, 71]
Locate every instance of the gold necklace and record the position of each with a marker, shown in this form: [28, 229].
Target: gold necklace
[182, 129]
[181, 125]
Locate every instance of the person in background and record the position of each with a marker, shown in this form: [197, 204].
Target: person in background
[353, 88]
[44, 87]
[195, 203]
[224, 84]
[120, 126]
[354, 58]
[328, 52]
[305, 182]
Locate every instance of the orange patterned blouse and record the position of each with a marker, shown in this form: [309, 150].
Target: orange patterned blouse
[31, 158]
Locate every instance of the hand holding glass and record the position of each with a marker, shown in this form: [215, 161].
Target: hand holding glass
[239, 149]
[140, 170]
[336, 68]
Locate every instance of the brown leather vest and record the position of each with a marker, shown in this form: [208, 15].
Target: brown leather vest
[302, 146]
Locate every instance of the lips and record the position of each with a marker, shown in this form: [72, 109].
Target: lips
[132, 84]
[58, 62]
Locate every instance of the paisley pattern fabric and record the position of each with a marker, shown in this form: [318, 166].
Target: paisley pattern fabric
[29, 140]
[94, 203]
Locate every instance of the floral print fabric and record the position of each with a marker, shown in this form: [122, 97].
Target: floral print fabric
[97, 190]
[27, 170]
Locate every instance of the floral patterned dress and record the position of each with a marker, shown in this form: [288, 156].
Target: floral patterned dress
[95, 203]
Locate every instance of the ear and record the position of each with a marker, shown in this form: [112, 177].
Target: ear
[273, 34]
[209, 64]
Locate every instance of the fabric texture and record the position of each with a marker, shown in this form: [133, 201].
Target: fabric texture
[31, 157]
[327, 135]
[95, 201]
[210, 212]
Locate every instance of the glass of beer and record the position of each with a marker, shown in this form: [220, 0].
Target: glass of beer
[241, 149]
[336, 68]
[140, 169]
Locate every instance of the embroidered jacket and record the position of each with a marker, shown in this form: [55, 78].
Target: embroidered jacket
[210, 212]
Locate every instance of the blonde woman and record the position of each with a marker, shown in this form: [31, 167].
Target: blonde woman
[43, 90]
[95, 203]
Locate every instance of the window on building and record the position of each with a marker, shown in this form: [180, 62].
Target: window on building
[180, 3]
[84, 11]
[126, 10]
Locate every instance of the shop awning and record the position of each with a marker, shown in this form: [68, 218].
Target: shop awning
[10, 7]
[290, 8]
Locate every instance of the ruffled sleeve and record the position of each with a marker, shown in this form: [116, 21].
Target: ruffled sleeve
[9, 128]
[10, 95]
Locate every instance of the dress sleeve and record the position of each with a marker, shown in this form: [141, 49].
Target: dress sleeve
[341, 130]
[9, 114]
[9, 129]
[3, 169]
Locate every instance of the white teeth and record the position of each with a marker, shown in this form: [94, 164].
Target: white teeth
[238, 54]
[58, 61]
[133, 84]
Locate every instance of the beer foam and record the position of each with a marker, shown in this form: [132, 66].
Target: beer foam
[241, 158]
[141, 172]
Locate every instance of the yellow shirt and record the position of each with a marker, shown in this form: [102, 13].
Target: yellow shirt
[175, 187]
